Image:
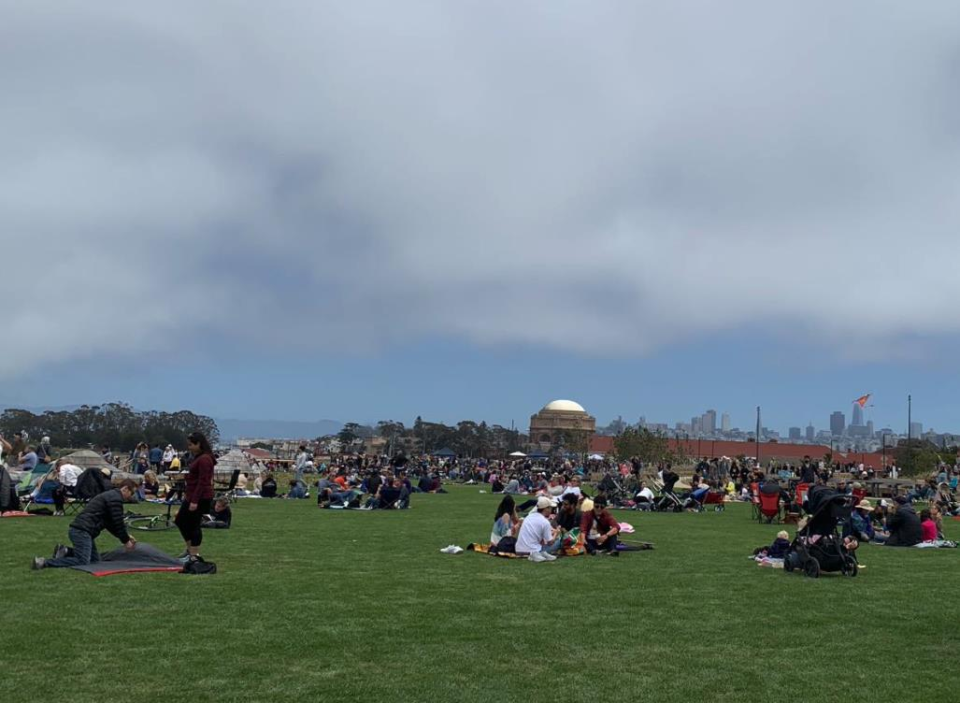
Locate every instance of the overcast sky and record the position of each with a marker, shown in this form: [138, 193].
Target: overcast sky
[336, 186]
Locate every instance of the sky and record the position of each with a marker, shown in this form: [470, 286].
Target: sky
[373, 210]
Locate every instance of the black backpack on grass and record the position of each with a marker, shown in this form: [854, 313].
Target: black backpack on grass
[199, 567]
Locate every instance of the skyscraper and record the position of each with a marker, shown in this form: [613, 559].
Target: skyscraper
[916, 429]
[838, 423]
[696, 426]
[710, 422]
[795, 433]
[811, 432]
[857, 416]
[725, 422]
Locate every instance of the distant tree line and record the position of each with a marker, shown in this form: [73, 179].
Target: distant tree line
[466, 438]
[114, 424]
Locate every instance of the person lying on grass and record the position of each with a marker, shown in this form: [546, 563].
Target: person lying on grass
[105, 512]
[329, 497]
[600, 528]
[221, 516]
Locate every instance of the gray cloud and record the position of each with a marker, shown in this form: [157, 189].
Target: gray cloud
[606, 179]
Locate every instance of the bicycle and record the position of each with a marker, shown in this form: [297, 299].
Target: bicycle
[151, 523]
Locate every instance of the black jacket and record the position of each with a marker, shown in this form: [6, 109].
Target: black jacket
[105, 512]
[904, 528]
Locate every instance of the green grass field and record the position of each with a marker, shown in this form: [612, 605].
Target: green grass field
[344, 606]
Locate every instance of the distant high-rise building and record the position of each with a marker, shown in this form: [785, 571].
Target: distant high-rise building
[857, 416]
[642, 422]
[916, 429]
[796, 433]
[709, 422]
[870, 428]
[811, 432]
[838, 423]
[696, 426]
[725, 422]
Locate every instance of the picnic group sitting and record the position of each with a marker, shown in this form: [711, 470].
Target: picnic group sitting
[895, 523]
[576, 524]
[376, 491]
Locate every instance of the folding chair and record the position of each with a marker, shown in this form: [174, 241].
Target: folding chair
[228, 491]
[769, 508]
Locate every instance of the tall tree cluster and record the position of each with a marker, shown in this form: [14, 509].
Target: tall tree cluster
[115, 424]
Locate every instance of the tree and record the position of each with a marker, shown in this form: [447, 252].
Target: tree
[649, 447]
[918, 458]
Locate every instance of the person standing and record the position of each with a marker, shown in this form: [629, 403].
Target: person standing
[198, 495]
[156, 456]
[167, 458]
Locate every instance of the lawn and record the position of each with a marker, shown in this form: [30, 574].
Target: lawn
[344, 606]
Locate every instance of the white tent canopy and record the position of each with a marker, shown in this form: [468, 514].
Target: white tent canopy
[517, 454]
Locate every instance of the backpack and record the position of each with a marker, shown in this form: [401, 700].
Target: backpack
[199, 567]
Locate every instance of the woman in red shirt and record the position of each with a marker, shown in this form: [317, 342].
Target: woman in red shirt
[198, 495]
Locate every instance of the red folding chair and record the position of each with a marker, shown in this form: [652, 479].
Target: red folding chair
[802, 490]
[769, 507]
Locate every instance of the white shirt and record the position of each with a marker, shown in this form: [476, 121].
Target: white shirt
[571, 489]
[69, 473]
[646, 493]
[534, 533]
[167, 456]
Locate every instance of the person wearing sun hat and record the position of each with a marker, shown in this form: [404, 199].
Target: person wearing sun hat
[860, 526]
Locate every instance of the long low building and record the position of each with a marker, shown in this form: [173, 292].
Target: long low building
[793, 453]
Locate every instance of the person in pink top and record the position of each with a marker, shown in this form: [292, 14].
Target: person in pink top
[928, 528]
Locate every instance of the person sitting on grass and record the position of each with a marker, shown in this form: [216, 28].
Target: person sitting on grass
[537, 539]
[568, 517]
[506, 522]
[644, 498]
[221, 516]
[860, 525]
[928, 528]
[268, 489]
[298, 490]
[104, 512]
[904, 525]
[600, 528]
[513, 486]
[777, 550]
[150, 488]
[937, 516]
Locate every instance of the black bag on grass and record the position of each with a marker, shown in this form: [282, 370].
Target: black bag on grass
[199, 568]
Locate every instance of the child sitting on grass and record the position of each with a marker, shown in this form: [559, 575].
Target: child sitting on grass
[777, 550]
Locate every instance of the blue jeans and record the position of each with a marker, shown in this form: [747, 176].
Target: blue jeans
[84, 551]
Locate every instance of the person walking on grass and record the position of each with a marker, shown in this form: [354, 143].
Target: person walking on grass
[104, 512]
[198, 495]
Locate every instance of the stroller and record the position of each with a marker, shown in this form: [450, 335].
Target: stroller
[616, 494]
[818, 547]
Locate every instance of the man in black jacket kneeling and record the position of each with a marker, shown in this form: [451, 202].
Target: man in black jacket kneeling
[104, 512]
